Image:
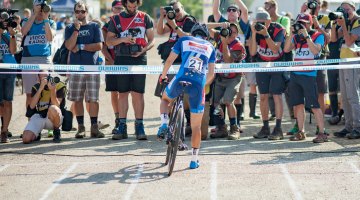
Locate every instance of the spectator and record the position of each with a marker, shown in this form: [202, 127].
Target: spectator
[227, 84]
[7, 81]
[38, 32]
[303, 90]
[110, 79]
[44, 111]
[60, 25]
[267, 45]
[84, 41]
[178, 27]
[324, 8]
[141, 37]
[349, 78]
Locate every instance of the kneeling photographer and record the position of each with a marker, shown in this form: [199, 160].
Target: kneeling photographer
[45, 109]
[307, 44]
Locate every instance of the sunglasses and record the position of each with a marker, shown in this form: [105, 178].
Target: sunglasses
[80, 11]
[231, 10]
[118, 8]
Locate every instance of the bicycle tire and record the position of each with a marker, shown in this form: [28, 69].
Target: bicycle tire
[175, 142]
[171, 124]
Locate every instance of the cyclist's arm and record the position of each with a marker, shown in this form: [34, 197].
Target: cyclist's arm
[211, 73]
[169, 61]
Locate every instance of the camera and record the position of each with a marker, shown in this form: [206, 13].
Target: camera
[339, 13]
[53, 80]
[297, 26]
[225, 32]
[312, 4]
[134, 31]
[45, 7]
[259, 26]
[7, 15]
[170, 12]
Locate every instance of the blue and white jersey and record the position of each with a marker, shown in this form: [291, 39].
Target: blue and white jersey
[35, 42]
[7, 57]
[196, 54]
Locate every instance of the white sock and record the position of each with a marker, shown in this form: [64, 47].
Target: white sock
[164, 118]
[194, 154]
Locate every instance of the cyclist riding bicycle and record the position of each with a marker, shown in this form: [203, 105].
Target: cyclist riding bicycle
[198, 56]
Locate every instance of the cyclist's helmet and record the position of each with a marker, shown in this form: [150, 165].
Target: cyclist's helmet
[200, 29]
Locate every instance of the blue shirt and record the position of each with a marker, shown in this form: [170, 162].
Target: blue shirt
[35, 42]
[319, 40]
[88, 34]
[196, 54]
[7, 57]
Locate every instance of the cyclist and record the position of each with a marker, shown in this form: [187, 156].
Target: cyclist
[198, 55]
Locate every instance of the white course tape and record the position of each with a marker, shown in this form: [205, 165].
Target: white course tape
[220, 68]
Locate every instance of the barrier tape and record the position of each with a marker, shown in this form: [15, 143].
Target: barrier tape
[148, 69]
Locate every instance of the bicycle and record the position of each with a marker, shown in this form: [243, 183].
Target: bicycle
[176, 129]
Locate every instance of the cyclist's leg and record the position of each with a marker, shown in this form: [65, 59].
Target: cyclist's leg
[169, 93]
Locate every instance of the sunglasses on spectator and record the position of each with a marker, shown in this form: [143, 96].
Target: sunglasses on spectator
[80, 11]
[231, 10]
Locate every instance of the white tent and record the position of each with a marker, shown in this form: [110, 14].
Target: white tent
[63, 6]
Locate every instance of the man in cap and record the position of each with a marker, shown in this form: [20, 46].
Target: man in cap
[266, 45]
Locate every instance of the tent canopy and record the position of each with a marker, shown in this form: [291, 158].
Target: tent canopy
[61, 6]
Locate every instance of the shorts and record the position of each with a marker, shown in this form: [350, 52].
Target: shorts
[226, 89]
[333, 79]
[81, 85]
[303, 87]
[29, 80]
[160, 88]
[322, 82]
[270, 82]
[110, 79]
[130, 82]
[250, 78]
[37, 124]
[7, 86]
[196, 93]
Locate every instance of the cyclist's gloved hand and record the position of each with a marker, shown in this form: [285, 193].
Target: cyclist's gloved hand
[163, 80]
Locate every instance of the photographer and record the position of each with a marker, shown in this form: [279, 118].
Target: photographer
[131, 41]
[38, 32]
[44, 111]
[84, 41]
[266, 43]
[349, 32]
[229, 50]
[307, 44]
[7, 81]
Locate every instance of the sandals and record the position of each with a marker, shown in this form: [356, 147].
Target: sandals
[298, 136]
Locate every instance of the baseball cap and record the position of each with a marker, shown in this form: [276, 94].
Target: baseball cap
[233, 6]
[116, 3]
[304, 18]
[350, 3]
[262, 15]
[237, 47]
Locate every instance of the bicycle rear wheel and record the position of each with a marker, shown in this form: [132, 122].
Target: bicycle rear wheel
[172, 126]
[179, 128]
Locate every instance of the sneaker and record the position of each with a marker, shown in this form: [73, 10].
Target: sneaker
[38, 138]
[294, 130]
[277, 134]
[4, 137]
[81, 132]
[140, 132]
[298, 136]
[95, 132]
[9, 134]
[221, 132]
[342, 133]
[334, 120]
[321, 138]
[50, 133]
[272, 118]
[102, 126]
[354, 134]
[194, 165]
[117, 122]
[121, 132]
[254, 116]
[163, 129]
[57, 136]
[263, 133]
[325, 132]
[234, 132]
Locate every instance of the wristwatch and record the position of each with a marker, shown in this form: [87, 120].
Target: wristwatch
[12, 36]
[81, 46]
[267, 36]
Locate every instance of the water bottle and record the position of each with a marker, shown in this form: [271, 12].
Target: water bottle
[100, 61]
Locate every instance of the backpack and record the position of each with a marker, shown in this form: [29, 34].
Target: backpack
[61, 55]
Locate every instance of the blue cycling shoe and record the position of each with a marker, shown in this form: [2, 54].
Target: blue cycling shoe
[162, 131]
[194, 165]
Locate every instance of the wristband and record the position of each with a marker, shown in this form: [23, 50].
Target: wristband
[76, 30]
[267, 36]
[46, 21]
[176, 28]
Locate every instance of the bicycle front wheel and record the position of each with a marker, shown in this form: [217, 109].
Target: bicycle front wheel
[179, 128]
